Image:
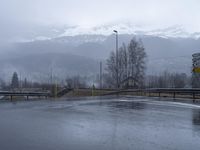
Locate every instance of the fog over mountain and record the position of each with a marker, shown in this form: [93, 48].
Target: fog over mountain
[71, 37]
[168, 49]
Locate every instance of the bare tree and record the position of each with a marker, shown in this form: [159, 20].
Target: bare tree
[168, 80]
[131, 63]
[123, 62]
[179, 80]
[76, 82]
[136, 62]
[2, 84]
[112, 70]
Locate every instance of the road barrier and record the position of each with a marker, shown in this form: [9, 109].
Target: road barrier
[194, 93]
[23, 93]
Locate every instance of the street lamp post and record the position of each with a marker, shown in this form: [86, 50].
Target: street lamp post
[116, 32]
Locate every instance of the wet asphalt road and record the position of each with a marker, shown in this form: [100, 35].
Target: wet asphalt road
[100, 124]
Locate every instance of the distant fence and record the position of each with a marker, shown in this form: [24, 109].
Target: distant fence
[23, 93]
[193, 92]
[173, 92]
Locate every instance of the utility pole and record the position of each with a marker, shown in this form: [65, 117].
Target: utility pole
[51, 76]
[100, 74]
[117, 64]
[20, 81]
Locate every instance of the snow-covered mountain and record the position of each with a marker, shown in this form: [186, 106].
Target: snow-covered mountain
[169, 32]
[89, 33]
[74, 52]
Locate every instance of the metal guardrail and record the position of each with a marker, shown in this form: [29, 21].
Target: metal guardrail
[193, 92]
[174, 91]
[182, 91]
[24, 93]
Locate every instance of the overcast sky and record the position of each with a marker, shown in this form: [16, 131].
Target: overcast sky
[19, 17]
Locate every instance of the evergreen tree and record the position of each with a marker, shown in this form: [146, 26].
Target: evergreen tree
[15, 81]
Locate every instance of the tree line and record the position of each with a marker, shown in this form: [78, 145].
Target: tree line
[168, 80]
[125, 69]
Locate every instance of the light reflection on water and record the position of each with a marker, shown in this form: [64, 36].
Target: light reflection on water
[100, 124]
[196, 122]
[196, 117]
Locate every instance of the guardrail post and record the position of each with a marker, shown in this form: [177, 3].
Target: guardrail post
[193, 96]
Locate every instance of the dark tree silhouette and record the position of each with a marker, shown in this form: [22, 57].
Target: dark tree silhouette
[15, 81]
[131, 65]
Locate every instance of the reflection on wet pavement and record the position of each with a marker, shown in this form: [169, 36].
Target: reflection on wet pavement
[100, 124]
[196, 117]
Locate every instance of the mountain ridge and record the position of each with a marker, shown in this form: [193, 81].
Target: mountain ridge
[107, 30]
